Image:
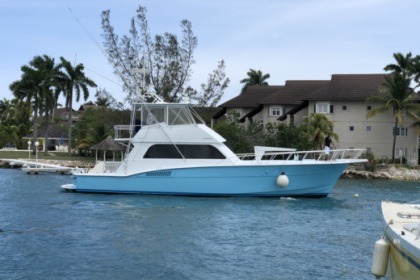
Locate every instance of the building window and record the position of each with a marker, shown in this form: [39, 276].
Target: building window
[324, 108]
[368, 150]
[351, 128]
[276, 111]
[401, 152]
[344, 107]
[368, 128]
[401, 131]
[368, 108]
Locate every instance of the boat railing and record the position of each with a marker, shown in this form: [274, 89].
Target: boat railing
[338, 154]
[122, 132]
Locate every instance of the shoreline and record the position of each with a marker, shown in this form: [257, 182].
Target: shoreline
[390, 172]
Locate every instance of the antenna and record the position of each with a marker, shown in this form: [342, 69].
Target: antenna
[98, 45]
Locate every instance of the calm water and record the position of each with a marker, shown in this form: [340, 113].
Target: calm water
[50, 234]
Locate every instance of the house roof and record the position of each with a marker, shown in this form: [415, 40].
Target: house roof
[85, 107]
[349, 87]
[108, 144]
[294, 91]
[341, 87]
[54, 132]
[252, 97]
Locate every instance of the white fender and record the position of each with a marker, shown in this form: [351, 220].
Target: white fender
[380, 258]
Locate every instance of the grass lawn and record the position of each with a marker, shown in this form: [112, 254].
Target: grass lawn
[41, 155]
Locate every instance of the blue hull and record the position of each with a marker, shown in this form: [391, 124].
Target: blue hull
[254, 181]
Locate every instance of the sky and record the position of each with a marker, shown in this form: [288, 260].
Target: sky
[288, 39]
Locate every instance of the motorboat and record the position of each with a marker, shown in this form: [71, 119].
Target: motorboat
[171, 151]
[397, 253]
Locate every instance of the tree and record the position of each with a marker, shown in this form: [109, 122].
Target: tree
[29, 88]
[212, 91]
[282, 135]
[104, 98]
[15, 122]
[254, 78]
[96, 125]
[396, 93]
[73, 82]
[404, 64]
[396, 96]
[49, 88]
[38, 86]
[168, 60]
[315, 128]
[238, 138]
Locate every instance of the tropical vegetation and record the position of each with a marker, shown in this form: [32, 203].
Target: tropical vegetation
[255, 77]
[96, 125]
[36, 95]
[309, 135]
[73, 82]
[43, 81]
[397, 94]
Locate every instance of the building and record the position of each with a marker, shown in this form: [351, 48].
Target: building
[58, 128]
[342, 99]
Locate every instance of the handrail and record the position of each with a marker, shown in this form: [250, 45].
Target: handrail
[337, 154]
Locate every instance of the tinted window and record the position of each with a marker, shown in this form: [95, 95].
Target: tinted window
[189, 151]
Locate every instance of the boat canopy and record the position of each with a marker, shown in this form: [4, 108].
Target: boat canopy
[169, 113]
[146, 114]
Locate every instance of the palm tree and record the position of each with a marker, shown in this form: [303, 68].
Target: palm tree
[29, 88]
[404, 65]
[49, 87]
[416, 62]
[396, 95]
[315, 128]
[73, 81]
[254, 78]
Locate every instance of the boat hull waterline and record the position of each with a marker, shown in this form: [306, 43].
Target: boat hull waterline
[314, 180]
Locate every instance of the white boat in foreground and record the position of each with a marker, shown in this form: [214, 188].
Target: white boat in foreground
[172, 152]
[397, 254]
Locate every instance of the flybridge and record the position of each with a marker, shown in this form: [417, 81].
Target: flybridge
[154, 114]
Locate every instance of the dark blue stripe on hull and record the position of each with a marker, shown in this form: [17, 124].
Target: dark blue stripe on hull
[200, 194]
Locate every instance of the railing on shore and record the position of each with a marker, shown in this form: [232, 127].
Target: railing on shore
[338, 154]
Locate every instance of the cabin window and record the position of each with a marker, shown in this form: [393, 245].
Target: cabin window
[188, 151]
